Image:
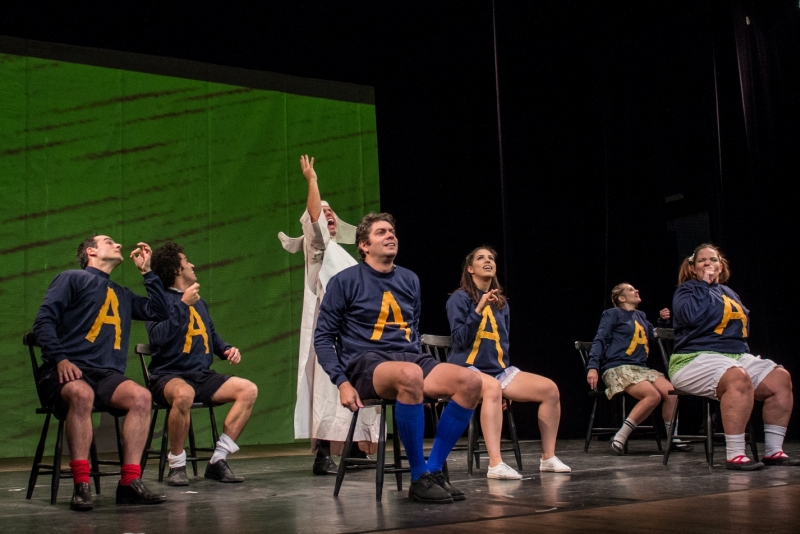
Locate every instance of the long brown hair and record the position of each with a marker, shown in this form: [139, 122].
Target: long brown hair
[685, 273]
[468, 284]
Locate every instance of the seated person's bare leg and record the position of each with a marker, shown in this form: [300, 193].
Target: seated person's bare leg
[180, 397]
[735, 394]
[79, 397]
[242, 393]
[492, 417]
[529, 387]
[668, 401]
[648, 396]
[137, 401]
[775, 390]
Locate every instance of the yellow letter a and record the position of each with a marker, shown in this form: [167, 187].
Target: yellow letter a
[103, 317]
[731, 310]
[389, 303]
[196, 328]
[639, 338]
[485, 334]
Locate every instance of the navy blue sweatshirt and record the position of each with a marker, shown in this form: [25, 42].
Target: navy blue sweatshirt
[365, 310]
[622, 339]
[709, 317]
[478, 340]
[187, 341]
[86, 318]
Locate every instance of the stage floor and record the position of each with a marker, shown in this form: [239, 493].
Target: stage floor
[604, 492]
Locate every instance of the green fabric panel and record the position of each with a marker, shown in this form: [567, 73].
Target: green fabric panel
[143, 157]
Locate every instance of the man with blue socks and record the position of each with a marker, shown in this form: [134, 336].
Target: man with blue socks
[367, 340]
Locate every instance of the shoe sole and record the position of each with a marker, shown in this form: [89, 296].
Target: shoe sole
[131, 501]
[755, 466]
[414, 498]
[81, 508]
[555, 471]
[224, 481]
[177, 484]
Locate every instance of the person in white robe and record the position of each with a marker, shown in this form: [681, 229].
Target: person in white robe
[318, 413]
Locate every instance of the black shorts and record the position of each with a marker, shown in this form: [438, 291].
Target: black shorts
[104, 382]
[360, 372]
[205, 384]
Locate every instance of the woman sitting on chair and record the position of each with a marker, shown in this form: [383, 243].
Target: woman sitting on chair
[479, 322]
[620, 351]
[712, 359]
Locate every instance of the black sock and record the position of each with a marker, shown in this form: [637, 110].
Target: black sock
[323, 448]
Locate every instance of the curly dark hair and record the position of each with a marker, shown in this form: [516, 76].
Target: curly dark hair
[365, 226]
[83, 258]
[166, 262]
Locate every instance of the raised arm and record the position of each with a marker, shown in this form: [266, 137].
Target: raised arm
[155, 307]
[314, 201]
[691, 303]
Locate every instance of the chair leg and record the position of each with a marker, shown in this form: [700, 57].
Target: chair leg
[345, 455]
[590, 427]
[753, 445]
[192, 447]
[381, 465]
[471, 440]
[709, 433]
[37, 460]
[671, 434]
[214, 431]
[397, 446]
[162, 457]
[624, 417]
[57, 463]
[149, 444]
[654, 424]
[95, 466]
[512, 430]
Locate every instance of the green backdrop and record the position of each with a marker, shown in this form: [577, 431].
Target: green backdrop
[146, 157]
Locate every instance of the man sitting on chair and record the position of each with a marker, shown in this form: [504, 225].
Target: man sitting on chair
[370, 313]
[83, 327]
[180, 371]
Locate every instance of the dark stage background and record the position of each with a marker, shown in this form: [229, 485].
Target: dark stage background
[631, 133]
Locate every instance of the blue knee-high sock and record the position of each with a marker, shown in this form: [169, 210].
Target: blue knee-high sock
[411, 425]
[452, 424]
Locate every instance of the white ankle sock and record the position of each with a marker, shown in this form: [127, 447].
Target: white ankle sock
[773, 439]
[627, 427]
[734, 445]
[177, 461]
[225, 446]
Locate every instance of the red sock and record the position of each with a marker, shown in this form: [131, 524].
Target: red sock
[80, 471]
[130, 472]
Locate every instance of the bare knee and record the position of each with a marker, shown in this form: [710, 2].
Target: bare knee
[409, 379]
[472, 386]
[550, 393]
[491, 391]
[735, 381]
[183, 398]
[141, 401]
[248, 393]
[79, 397]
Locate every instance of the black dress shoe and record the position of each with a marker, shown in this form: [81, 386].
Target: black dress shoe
[443, 483]
[220, 471]
[426, 490]
[324, 465]
[137, 493]
[81, 498]
[681, 447]
[177, 477]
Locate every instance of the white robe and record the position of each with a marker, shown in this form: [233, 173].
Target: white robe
[318, 413]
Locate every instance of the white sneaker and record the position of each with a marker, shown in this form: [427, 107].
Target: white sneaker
[503, 472]
[553, 465]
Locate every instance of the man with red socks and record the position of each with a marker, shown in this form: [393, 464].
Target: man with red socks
[83, 327]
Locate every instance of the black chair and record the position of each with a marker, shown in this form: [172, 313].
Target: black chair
[55, 469]
[583, 348]
[143, 350]
[439, 347]
[666, 339]
[380, 464]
